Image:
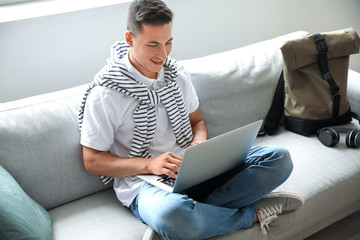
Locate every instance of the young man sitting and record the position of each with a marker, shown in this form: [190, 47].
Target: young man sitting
[140, 114]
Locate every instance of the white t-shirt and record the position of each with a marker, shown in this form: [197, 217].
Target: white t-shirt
[108, 124]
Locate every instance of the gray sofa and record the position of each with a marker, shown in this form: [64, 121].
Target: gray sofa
[39, 147]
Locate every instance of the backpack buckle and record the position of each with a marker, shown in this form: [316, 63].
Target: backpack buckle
[321, 45]
[327, 76]
[335, 92]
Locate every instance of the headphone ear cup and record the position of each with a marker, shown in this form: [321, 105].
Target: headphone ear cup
[328, 136]
[353, 138]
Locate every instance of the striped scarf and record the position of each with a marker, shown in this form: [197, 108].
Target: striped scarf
[116, 76]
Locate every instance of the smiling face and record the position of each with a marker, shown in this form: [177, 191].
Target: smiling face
[150, 48]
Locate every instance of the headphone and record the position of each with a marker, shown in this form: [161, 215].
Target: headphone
[329, 136]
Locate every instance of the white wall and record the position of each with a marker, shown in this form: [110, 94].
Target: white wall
[55, 52]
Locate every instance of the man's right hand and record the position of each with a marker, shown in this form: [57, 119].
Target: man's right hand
[167, 163]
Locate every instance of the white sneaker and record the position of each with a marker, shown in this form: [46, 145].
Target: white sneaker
[274, 204]
[150, 234]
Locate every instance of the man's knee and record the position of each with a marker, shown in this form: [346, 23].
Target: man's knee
[179, 220]
[284, 165]
[286, 159]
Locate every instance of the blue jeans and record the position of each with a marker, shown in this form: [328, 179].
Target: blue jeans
[220, 205]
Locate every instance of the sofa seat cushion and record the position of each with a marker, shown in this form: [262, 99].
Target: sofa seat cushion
[337, 163]
[328, 179]
[20, 216]
[98, 216]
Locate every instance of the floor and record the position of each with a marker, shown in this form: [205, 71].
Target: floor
[345, 229]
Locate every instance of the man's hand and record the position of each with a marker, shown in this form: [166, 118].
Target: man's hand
[167, 163]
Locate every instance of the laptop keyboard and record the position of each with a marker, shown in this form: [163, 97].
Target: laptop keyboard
[167, 180]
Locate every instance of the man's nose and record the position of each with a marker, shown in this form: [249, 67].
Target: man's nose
[162, 53]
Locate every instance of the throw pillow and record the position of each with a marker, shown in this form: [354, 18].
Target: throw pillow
[20, 216]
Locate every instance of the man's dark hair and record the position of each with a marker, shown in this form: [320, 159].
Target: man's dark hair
[153, 12]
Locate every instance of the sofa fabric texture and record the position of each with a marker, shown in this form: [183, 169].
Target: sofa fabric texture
[39, 147]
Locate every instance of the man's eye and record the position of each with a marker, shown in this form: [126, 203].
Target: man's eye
[152, 45]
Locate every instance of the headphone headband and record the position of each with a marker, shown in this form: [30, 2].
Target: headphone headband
[339, 129]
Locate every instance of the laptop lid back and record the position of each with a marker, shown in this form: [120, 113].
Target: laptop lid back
[215, 156]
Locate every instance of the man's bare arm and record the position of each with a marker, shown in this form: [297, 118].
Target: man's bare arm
[107, 164]
[198, 127]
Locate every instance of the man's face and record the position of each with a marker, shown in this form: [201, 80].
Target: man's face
[150, 48]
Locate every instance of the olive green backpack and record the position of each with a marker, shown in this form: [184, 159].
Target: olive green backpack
[312, 89]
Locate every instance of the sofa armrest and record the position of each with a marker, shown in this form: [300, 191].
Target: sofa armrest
[354, 91]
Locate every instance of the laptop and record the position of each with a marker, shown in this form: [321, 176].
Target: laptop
[209, 159]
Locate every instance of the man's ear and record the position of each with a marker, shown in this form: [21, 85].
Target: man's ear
[129, 38]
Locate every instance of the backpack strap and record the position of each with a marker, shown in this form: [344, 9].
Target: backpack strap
[276, 112]
[323, 63]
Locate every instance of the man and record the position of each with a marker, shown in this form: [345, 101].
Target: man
[140, 114]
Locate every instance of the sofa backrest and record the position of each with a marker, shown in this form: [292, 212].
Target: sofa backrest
[237, 87]
[39, 137]
[39, 146]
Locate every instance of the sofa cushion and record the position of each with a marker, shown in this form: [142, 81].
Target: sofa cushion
[238, 84]
[327, 177]
[98, 216]
[20, 216]
[40, 147]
